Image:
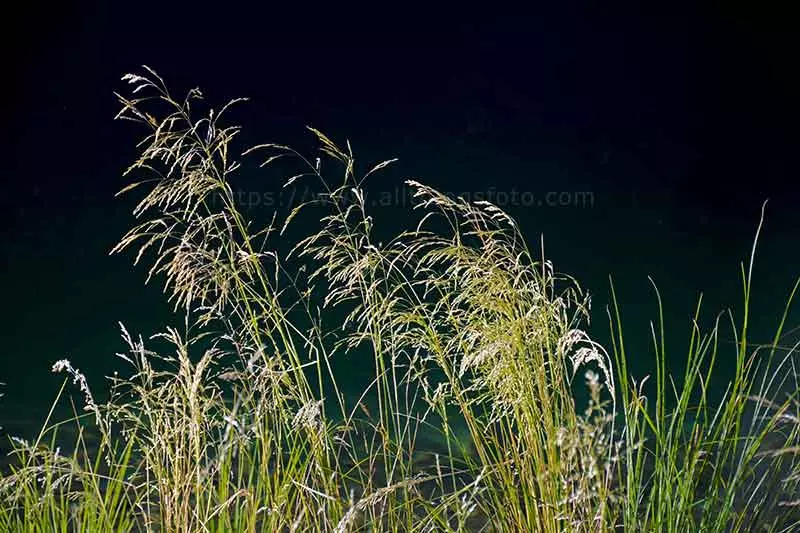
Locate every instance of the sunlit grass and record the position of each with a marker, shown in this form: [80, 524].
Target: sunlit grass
[236, 420]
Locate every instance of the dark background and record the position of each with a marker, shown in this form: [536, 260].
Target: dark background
[680, 122]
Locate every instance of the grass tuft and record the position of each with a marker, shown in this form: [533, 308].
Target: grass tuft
[238, 419]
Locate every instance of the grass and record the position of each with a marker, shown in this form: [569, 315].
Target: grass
[237, 419]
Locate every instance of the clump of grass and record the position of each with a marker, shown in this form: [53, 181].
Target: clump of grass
[85, 489]
[237, 420]
[692, 465]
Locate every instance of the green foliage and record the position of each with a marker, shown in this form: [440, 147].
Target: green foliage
[238, 421]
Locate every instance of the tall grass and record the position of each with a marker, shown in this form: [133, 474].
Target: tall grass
[238, 420]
